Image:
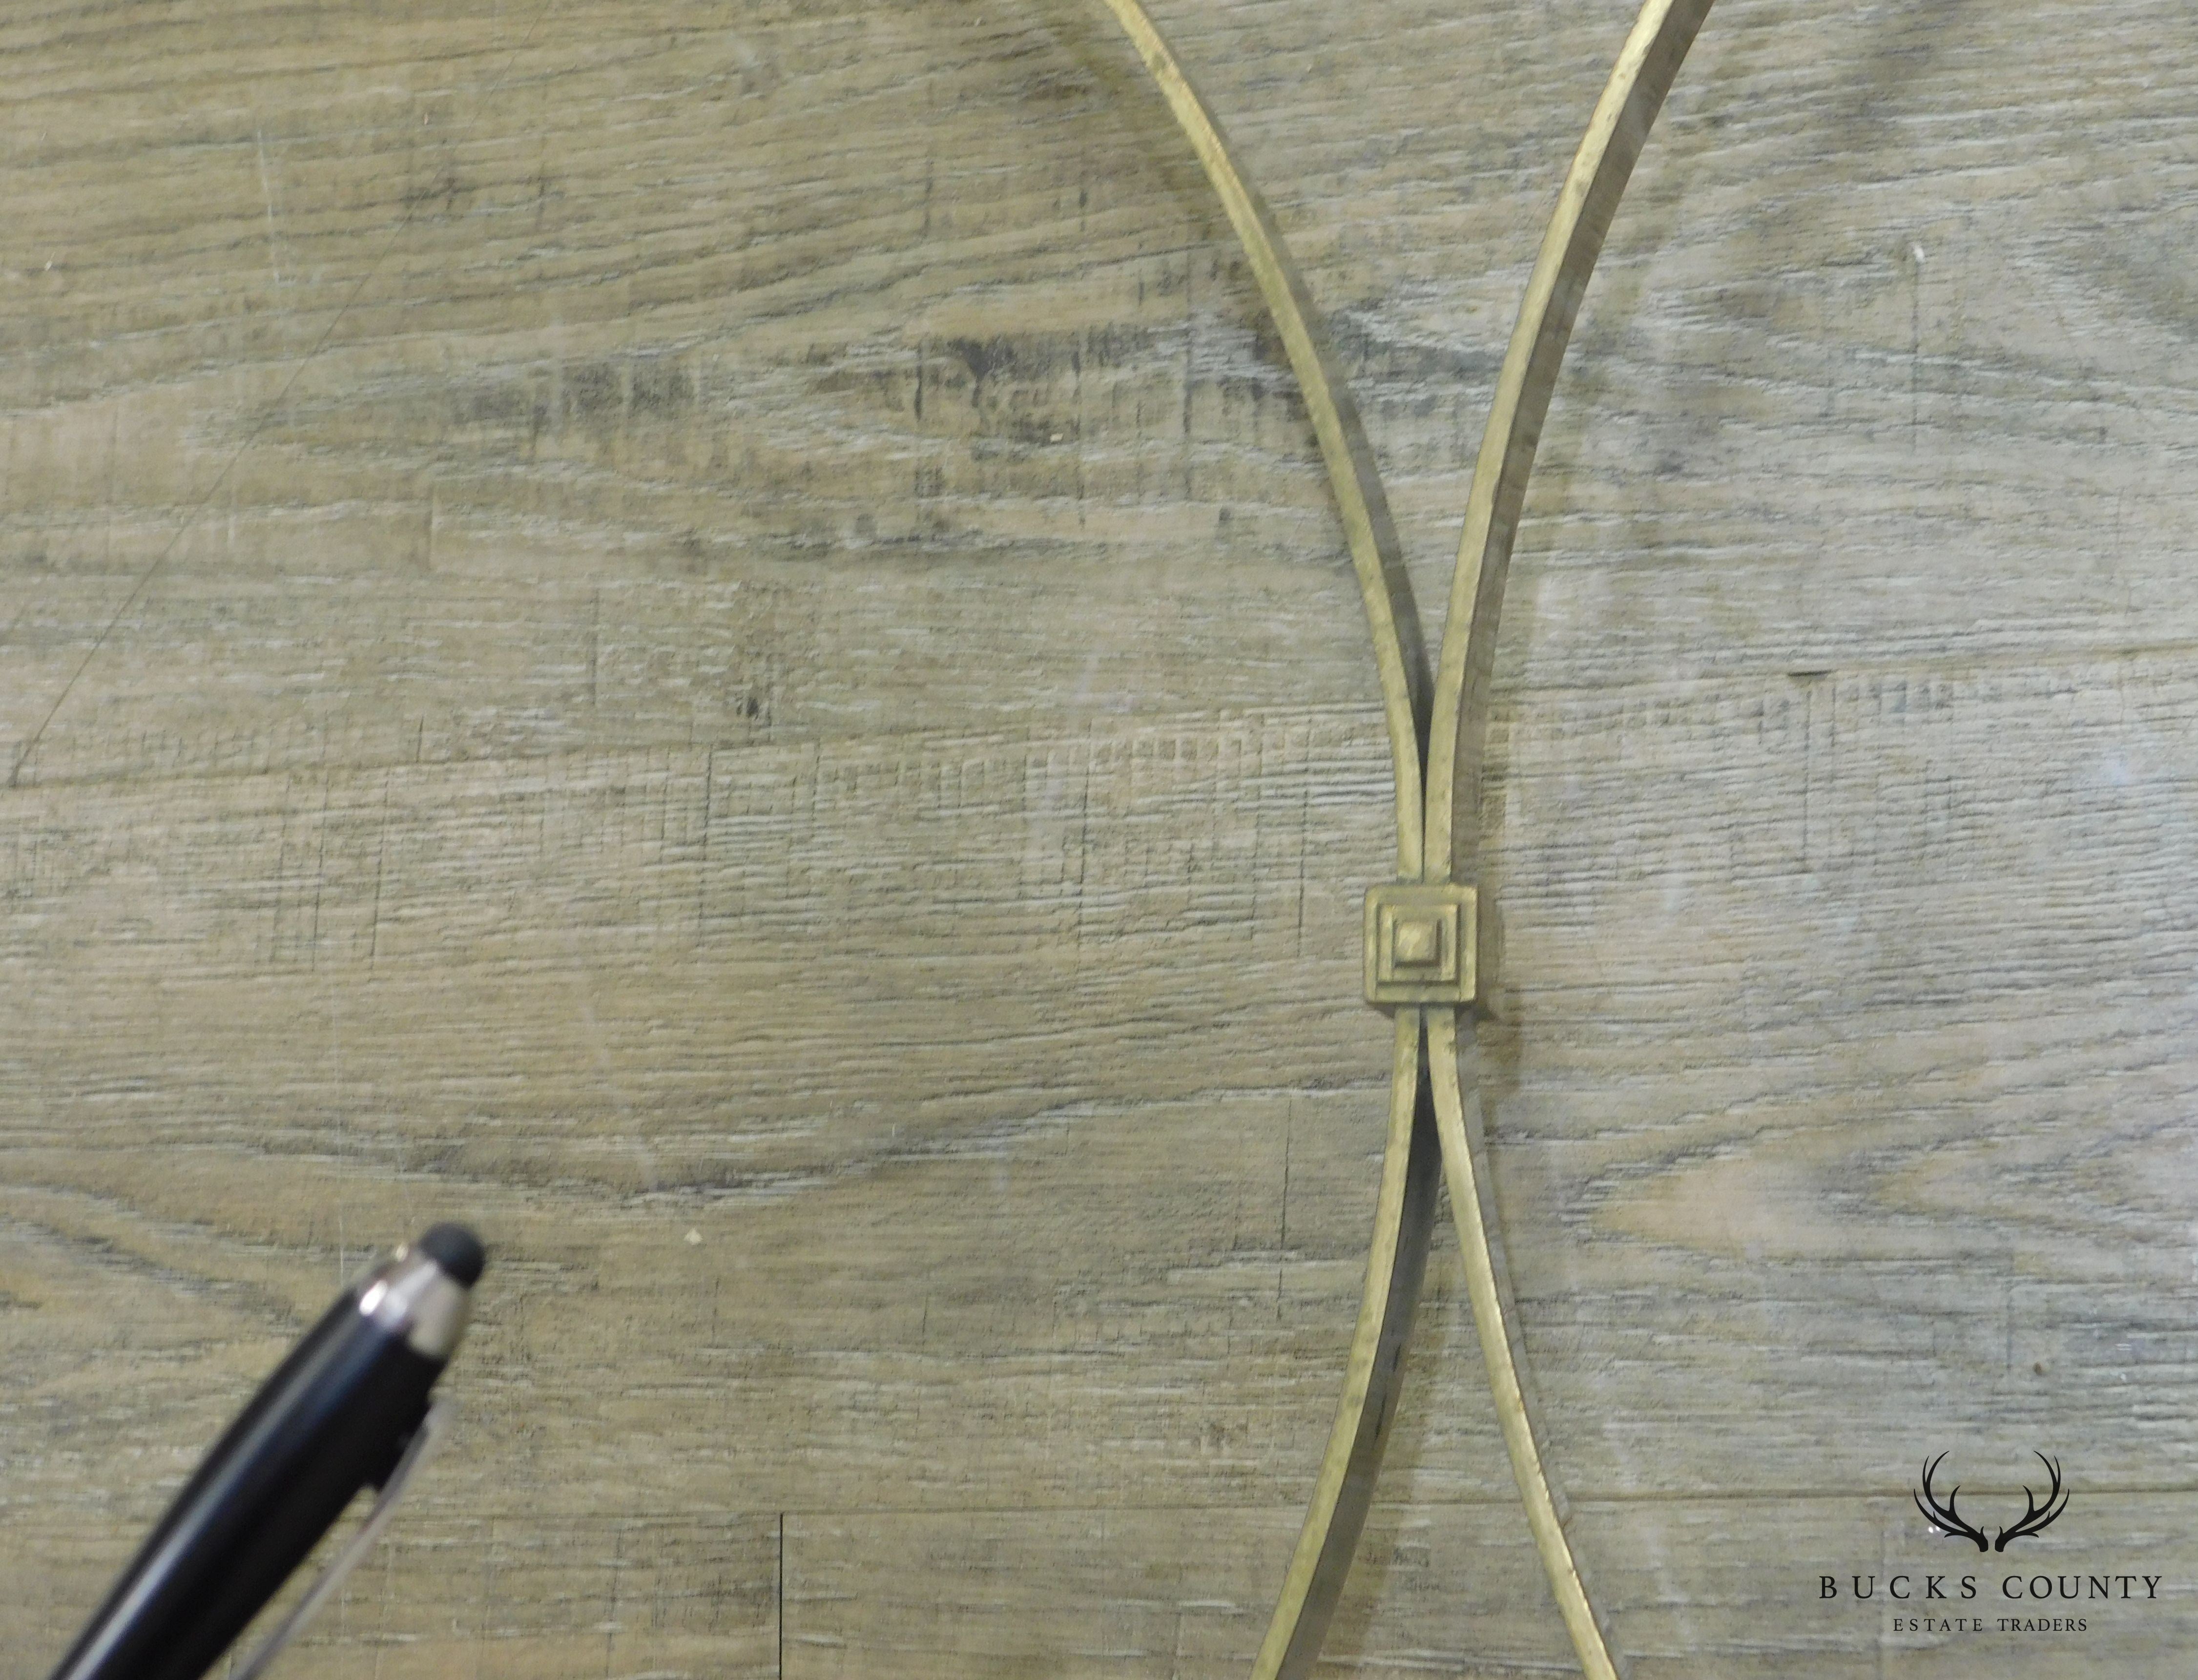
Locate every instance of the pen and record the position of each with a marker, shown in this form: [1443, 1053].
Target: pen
[336, 1416]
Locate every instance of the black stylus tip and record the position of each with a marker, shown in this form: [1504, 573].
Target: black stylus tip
[456, 1250]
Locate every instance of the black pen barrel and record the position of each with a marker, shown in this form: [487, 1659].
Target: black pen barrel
[332, 1418]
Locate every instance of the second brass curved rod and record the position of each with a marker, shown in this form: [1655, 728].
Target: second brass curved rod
[1393, 620]
[1647, 65]
[1646, 68]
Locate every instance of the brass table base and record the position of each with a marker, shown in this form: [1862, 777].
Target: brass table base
[1422, 937]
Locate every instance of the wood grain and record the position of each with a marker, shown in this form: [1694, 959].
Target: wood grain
[712, 637]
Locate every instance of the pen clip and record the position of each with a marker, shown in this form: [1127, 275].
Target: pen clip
[425, 1439]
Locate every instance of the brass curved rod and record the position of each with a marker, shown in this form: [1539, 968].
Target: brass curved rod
[1404, 1221]
[1393, 618]
[1615, 134]
[1404, 1209]
[1646, 67]
[1496, 1319]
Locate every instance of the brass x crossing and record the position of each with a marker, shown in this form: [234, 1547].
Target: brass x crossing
[1437, 724]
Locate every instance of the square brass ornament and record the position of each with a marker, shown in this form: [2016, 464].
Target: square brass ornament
[1422, 943]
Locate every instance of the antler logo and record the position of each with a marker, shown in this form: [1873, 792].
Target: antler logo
[1950, 1521]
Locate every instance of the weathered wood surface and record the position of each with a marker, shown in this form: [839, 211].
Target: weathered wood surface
[711, 636]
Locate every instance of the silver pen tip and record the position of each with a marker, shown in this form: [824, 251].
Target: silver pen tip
[422, 1292]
